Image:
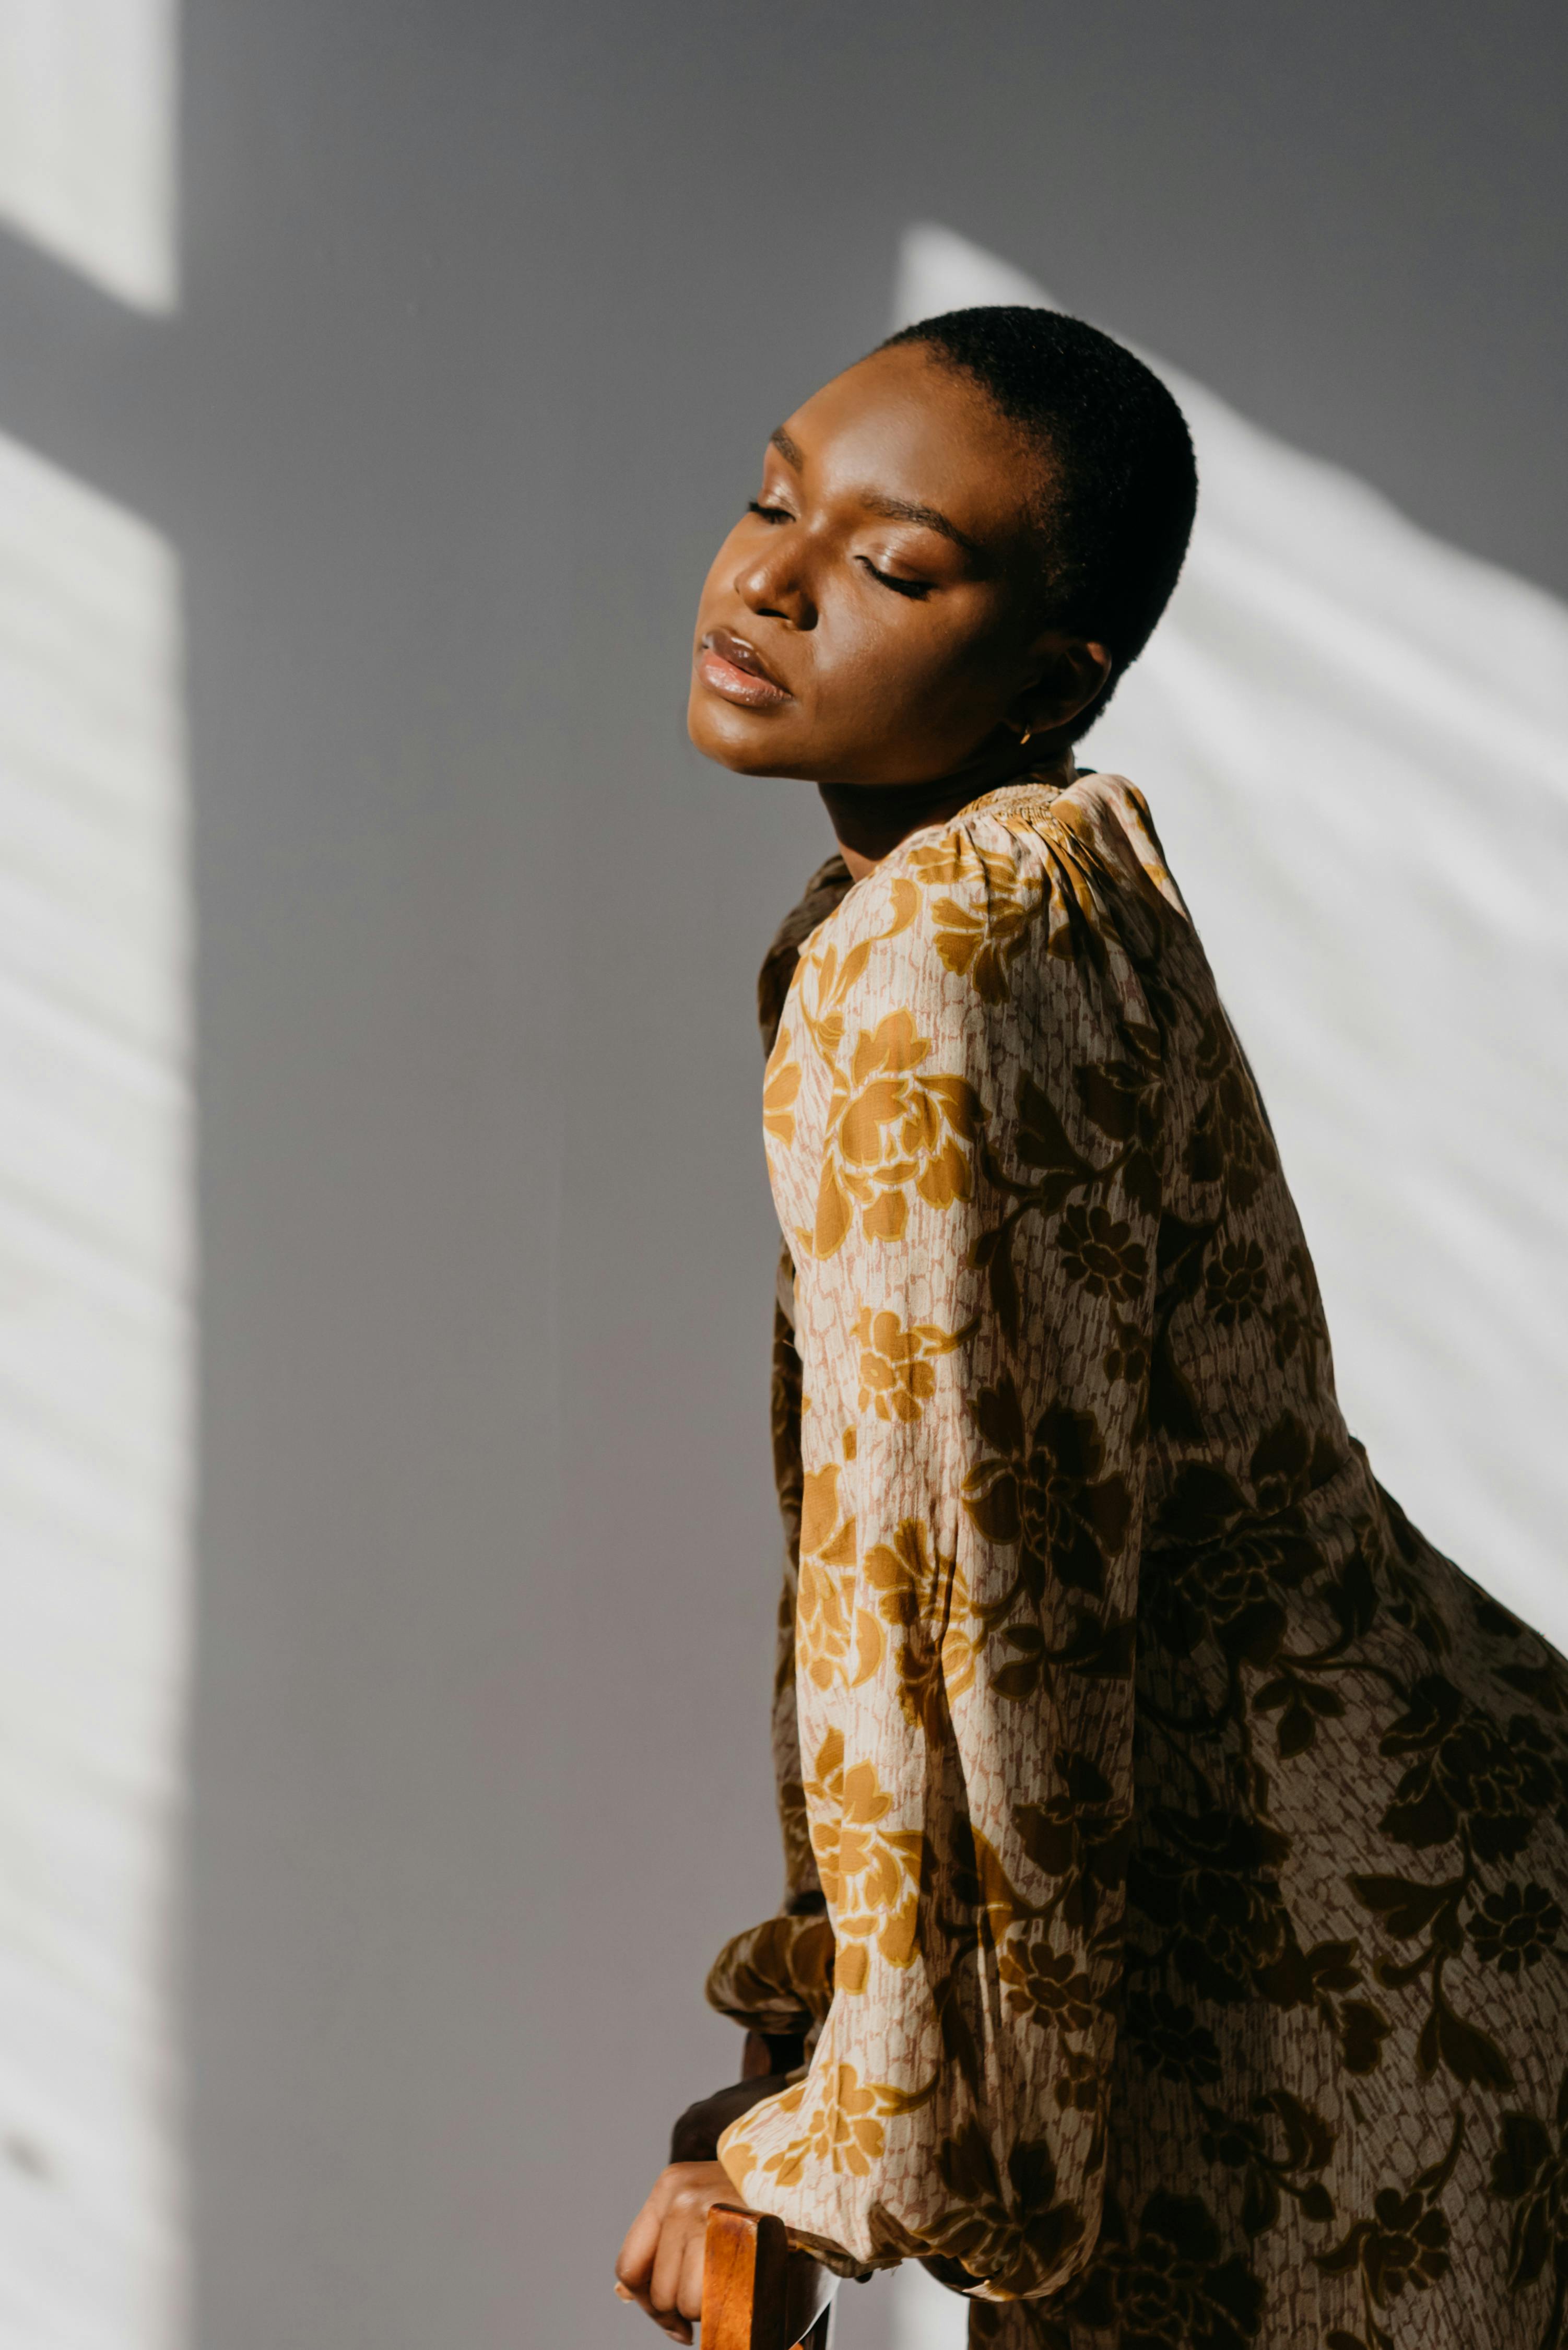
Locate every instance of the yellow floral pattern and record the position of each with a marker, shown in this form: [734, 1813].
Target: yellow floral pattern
[894, 1132]
[1176, 1846]
[981, 923]
[898, 1375]
[868, 1870]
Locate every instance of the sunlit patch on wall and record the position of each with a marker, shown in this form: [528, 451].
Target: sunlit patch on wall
[87, 98]
[96, 1347]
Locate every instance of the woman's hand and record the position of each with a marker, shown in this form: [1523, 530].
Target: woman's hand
[661, 2262]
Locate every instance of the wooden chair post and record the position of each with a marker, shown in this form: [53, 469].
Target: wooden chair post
[759, 2291]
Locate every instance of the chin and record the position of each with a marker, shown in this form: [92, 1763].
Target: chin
[738, 739]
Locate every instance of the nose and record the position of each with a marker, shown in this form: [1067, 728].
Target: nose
[772, 582]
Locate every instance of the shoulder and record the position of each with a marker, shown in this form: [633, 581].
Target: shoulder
[960, 1009]
[1028, 893]
[1110, 817]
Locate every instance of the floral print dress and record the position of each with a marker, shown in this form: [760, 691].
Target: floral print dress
[1176, 1844]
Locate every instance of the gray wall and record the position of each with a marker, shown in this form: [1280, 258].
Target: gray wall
[488, 308]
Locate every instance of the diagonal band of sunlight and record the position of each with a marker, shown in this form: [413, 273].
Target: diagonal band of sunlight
[87, 151]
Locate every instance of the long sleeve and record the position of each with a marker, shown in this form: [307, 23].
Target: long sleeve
[777, 1978]
[967, 1168]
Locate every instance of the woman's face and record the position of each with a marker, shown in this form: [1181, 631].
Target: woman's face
[870, 618]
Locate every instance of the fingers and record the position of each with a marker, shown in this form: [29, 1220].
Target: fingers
[668, 2321]
[676, 2327]
[691, 2299]
[669, 2260]
[661, 2262]
[635, 2262]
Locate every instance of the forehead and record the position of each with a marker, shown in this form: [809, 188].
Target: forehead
[901, 425]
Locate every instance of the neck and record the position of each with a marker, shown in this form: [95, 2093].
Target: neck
[870, 820]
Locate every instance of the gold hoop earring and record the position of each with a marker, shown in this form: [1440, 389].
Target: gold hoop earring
[1026, 734]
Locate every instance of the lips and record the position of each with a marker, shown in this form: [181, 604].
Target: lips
[732, 667]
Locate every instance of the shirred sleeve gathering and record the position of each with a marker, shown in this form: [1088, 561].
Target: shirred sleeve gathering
[965, 1153]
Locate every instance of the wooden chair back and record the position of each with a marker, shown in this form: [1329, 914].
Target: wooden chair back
[761, 2291]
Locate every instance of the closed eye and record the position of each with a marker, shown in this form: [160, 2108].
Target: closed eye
[914, 588]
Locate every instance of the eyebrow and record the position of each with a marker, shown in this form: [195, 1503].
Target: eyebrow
[905, 510]
[895, 509]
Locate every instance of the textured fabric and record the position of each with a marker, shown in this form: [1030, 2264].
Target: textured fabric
[1185, 1935]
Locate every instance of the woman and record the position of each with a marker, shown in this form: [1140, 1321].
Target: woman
[1172, 1950]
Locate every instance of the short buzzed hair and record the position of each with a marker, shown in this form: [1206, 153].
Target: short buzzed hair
[1122, 482]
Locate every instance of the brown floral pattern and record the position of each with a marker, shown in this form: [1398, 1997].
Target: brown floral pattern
[1404, 2245]
[1530, 2171]
[1045, 1490]
[1176, 1846]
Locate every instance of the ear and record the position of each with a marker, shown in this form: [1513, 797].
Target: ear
[1069, 673]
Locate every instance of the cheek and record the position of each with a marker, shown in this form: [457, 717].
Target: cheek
[920, 661]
